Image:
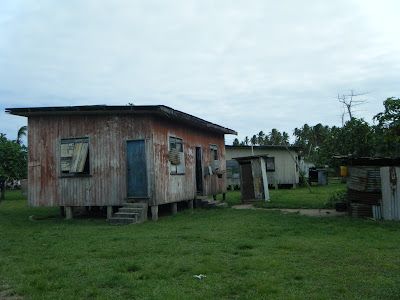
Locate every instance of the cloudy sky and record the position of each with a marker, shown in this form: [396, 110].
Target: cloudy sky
[246, 65]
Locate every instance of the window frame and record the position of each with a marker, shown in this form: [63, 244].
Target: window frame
[214, 161]
[86, 170]
[268, 163]
[181, 168]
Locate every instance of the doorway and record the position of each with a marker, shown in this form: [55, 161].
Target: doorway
[136, 168]
[199, 172]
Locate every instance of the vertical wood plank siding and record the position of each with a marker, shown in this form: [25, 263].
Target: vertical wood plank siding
[107, 156]
[107, 134]
[172, 188]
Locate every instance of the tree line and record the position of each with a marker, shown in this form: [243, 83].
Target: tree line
[13, 160]
[356, 137]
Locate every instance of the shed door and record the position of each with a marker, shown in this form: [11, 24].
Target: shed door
[247, 183]
[137, 171]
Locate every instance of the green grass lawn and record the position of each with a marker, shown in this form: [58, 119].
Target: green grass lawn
[244, 254]
[294, 198]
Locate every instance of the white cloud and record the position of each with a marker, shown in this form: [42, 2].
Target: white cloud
[247, 65]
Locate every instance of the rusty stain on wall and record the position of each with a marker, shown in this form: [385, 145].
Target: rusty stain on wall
[106, 182]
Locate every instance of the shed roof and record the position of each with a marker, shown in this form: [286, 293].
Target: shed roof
[160, 110]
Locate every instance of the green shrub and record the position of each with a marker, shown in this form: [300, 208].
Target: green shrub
[336, 196]
[302, 179]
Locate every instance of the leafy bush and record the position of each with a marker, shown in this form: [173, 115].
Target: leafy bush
[302, 179]
[336, 196]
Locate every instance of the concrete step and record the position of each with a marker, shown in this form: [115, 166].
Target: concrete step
[205, 202]
[141, 212]
[135, 205]
[127, 215]
[130, 209]
[121, 221]
[130, 213]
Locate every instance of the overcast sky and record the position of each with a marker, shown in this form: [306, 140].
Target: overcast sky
[245, 65]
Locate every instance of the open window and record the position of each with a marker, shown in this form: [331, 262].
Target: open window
[176, 156]
[75, 157]
[214, 158]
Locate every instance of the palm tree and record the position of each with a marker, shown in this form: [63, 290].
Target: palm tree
[275, 137]
[285, 138]
[254, 140]
[260, 138]
[21, 133]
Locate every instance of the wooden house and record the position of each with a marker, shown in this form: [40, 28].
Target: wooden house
[111, 155]
[282, 164]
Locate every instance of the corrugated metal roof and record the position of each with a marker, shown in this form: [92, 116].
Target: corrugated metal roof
[161, 110]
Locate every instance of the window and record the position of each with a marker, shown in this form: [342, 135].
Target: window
[270, 164]
[214, 158]
[75, 156]
[176, 156]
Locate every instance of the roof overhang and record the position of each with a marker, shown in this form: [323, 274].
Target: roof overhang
[160, 110]
[250, 157]
[267, 147]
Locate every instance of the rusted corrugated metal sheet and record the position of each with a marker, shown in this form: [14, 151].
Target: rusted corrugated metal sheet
[364, 197]
[360, 210]
[364, 179]
[363, 190]
[390, 193]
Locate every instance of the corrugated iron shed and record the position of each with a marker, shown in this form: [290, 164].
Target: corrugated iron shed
[369, 187]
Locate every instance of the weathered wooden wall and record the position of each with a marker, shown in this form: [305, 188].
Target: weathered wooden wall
[176, 187]
[107, 154]
[108, 133]
[285, 168]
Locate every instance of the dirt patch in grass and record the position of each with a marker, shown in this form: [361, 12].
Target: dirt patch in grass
[6, 293]
[306, 212]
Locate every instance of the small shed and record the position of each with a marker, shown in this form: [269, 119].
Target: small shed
[282, 164]
[112, 155]
[369, 185]
[253, 178]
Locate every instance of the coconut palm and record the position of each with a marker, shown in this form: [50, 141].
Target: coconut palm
[21, 133]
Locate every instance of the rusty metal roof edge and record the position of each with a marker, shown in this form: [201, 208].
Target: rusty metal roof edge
[198, 121]
[105, 109]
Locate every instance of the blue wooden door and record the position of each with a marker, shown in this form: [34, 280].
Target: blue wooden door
[137, 173]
